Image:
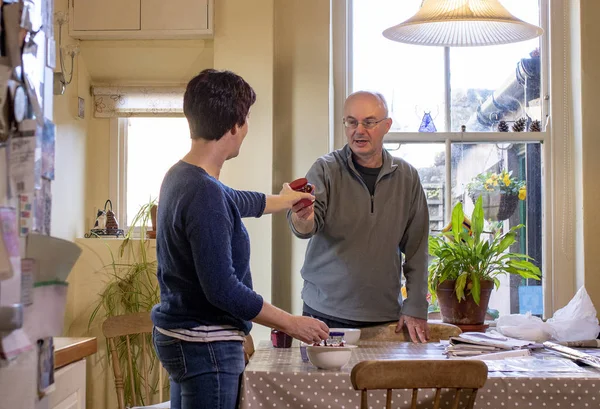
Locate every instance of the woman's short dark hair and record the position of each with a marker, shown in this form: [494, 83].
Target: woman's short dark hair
[215, 101]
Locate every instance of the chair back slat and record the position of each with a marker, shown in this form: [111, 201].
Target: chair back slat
[415, 394]
[388, 401]
[436, 399]
[125, 333]
[130, 366]
[146, 374]
[117, 373]
[456, 399]
[420, 374]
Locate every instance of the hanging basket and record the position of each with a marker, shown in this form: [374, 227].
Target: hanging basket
[497, 206]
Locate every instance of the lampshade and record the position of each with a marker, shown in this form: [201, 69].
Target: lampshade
[462, 23]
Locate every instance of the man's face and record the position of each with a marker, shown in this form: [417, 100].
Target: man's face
[365, 108]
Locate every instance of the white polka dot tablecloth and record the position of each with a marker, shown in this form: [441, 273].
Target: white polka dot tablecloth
[277, 378]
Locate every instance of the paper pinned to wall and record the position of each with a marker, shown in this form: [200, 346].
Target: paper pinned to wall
[22, 157]
[10, 259]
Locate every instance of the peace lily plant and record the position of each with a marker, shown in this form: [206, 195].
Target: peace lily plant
[463, 255]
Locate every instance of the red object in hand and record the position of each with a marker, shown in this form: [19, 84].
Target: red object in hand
[302, 185]
[280, 339]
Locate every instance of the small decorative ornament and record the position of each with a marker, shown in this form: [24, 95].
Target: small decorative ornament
[503, 126]
[427, 124]
[106, 223]
[520, 125]
[535, 126]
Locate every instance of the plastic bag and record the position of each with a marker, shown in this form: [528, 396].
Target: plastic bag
[576, 321]
[524, 326]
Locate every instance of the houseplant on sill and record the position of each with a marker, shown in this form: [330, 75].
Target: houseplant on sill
[131, 287]
[500, 193]
[466, 266]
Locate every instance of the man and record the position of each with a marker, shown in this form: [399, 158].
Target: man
[370, 208]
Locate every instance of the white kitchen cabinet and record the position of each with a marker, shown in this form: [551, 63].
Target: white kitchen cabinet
[69, 382]
[140, 19]
[174, 15]
[114, 15]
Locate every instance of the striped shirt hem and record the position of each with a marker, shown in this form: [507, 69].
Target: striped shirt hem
[205, 333]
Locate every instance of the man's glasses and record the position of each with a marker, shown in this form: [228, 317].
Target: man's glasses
[368, 124]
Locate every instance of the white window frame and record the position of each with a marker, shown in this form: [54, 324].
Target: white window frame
[557, 139]
[117, 186]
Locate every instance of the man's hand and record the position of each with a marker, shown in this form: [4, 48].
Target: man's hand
[417, 328]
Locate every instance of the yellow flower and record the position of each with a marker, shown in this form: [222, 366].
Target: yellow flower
[495, 182]
[404, 292]
[488, 187]
[489, 181]
[522, 193]
[494, 176]
[506, 180]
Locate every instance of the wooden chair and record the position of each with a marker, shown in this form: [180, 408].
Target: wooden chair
[248, 348]
[127, 326]
[437, 332]
[139, 324]
[420, 374]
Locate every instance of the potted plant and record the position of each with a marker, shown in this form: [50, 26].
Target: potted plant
[131, 287]
[500, 193]
[466, 266]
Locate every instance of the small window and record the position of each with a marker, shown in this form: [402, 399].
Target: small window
[153, 145]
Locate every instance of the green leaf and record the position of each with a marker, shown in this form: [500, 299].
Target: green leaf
[477, 220]
[506, 242]
[459, 286]
[496, 283]
[458, 217]
[476, 288]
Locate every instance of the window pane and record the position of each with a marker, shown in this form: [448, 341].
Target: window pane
[430, 161]
[497, 82]
[153, 146]
[411, 78]
[476, 165]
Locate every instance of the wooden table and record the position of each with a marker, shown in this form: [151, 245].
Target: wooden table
[277, 378]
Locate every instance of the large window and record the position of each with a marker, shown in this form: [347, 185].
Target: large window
[483, 90]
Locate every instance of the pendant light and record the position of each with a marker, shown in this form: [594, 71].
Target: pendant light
[462, 23]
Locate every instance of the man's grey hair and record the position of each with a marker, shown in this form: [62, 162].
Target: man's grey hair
[375, 94]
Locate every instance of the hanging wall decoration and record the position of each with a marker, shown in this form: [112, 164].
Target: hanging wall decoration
[427, 124]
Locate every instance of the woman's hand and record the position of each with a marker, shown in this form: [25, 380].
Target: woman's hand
[291, 198]
[307, 329]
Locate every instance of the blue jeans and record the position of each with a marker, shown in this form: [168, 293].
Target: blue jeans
[202, 374]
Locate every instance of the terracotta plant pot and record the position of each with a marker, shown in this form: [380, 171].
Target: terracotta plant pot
[465, 312]
[151, 234]
[497, 206]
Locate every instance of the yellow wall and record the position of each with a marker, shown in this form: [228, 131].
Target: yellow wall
[301, 126]
[590, 146]
[69, 188]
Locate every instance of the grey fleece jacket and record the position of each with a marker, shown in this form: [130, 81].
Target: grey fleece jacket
[352, 267]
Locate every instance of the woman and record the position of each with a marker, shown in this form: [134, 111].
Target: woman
[203, 252]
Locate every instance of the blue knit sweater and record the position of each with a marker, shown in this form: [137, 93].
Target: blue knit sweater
[203, 252]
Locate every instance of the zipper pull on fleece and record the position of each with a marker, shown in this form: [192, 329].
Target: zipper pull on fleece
[372, 204]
